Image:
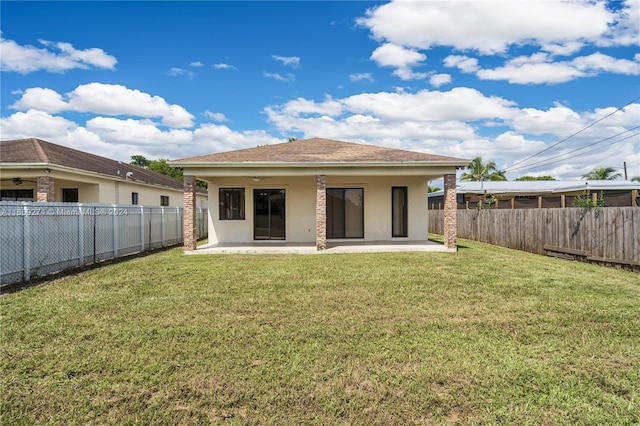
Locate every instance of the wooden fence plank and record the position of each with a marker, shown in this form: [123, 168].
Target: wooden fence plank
[607, 233]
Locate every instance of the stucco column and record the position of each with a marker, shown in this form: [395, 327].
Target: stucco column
[321, 212]
[45, 189]
[190, 230]
[450, 212]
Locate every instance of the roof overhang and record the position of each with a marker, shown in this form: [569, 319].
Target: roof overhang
[55, 170]
[361, 168]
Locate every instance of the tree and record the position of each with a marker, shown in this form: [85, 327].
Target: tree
[635, 179]
[481, 171]
[161, 166]
[602, 173]
[433, 189]
[536, 178]
[139, 160]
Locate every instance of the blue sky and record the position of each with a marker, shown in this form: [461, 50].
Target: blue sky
[503, 80]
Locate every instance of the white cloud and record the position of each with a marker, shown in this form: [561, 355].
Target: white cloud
[450, 123]
[210, 138]
[42, 99]
[627, 28]
[215, 116]
[293, 61]
[114, 99]
[460, 103]
[558, 120]
[54, 57]
[222, 66]
[302, 106]
[532, 73]
[135, 132]
[175, 72]
[598, 62]
[557, 28]
[196, 64]
[391, 55]
[541, 68]
[463, 63]
[438, 80]
[400, 117]
[361, 76]
[279, 77]
[109, 99]
[488, 27]
[34, 123]
[401, 58]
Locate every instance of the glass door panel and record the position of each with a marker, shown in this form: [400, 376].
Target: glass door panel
[269, 214]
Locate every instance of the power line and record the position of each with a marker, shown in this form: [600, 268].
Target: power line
[572, 135]
[557, 161]
[577, 149]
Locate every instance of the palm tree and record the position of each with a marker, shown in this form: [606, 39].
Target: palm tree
[602, 173]
[635, 179]
[480, 171]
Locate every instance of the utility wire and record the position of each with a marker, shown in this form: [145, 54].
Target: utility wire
[572, 135]
[564, 159]
[577, 149]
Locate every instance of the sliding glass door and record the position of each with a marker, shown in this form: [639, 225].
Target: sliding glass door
[399, 226]
[269, 214]
[345, 213]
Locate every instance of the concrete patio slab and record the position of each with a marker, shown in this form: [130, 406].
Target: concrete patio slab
[281, 247]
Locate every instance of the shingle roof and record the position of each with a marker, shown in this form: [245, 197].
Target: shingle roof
[39, 151]
[318, 150]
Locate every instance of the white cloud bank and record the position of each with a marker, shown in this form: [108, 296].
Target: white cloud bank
[53, 57]
[405, 28]
[460, 122]
[108, 99]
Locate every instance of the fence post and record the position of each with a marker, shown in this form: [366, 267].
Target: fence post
[115, 232]
[26, 246]
[178, 227]
[80, 236]
[141, 228]
[161, 226]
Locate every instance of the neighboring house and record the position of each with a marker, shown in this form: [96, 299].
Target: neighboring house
[36, 170]
[538, 194]
[315, 190]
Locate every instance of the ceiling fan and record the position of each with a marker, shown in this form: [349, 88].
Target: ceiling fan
[18, 181]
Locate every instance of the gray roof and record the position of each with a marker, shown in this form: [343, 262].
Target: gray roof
[537, 187]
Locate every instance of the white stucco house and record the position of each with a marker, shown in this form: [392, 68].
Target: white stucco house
[318, 190]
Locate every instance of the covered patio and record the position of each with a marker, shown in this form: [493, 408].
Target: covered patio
[319, 195]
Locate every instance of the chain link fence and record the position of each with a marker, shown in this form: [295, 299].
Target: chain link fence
[37, 239]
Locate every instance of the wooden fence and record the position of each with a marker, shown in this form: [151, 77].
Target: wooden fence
[607, 235]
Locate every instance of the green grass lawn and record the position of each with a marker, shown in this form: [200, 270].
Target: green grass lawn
[483, 336]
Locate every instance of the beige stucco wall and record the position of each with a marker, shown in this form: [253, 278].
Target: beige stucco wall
[300, 206]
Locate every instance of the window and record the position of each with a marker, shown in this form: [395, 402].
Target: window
[399, 211]
[134, 198]
[16, 195]
[231, 203]
[69, 195]
[345, 213]
[164, 200]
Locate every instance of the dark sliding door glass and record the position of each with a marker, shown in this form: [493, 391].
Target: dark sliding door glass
[269, 218]
[399, 211]
[345, 213]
